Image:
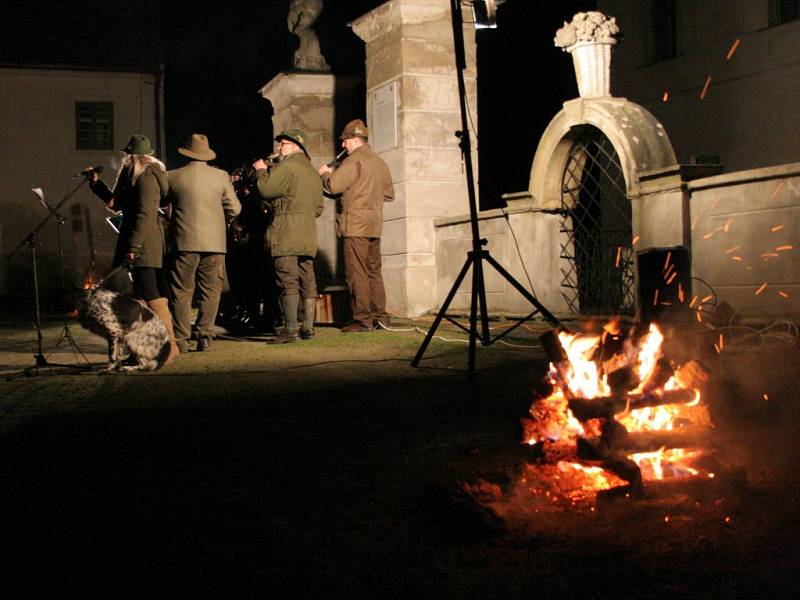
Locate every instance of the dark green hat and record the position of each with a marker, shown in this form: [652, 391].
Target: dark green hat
[296, 136]
[138, 144]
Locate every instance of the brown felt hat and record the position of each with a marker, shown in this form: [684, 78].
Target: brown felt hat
[198, 148]
[355, 128]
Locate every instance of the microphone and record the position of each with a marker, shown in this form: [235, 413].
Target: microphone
[85, 172]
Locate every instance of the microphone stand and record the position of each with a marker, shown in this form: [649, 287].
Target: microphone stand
[30, 241]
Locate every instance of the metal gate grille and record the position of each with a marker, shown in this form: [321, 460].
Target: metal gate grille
[596, 249]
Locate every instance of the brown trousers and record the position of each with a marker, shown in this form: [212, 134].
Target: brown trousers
[295, 275]
[206, 269]
[362, 271]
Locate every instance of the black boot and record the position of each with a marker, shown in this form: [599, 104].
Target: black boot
[289, 305]
[309, 313]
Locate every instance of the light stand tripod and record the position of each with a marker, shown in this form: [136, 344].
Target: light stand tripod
[30, 241]
[477, 255]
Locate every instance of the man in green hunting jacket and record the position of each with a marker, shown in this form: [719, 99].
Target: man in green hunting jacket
[293, 192]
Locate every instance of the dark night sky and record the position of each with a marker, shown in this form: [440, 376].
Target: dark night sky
[218, 57]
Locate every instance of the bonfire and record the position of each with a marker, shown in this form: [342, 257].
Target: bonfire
[619, 414]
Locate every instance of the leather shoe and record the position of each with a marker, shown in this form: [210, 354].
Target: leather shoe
[283, 338]
[357, 327]
[306, 334]
[204, 344]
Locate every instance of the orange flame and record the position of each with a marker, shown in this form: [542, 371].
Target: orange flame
[583, 376]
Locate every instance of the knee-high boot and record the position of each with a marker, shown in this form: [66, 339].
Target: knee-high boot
[309, 313]
[161, 308]
[289, 304]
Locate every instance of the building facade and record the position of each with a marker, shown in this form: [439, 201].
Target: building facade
[721, 76]
[73, 90]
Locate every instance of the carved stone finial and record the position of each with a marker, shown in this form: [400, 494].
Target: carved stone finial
[588, 38]
[302, 14]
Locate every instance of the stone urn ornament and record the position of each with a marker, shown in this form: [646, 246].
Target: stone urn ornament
[589, 38]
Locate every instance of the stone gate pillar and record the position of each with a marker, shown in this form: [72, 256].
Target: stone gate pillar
[413, 113]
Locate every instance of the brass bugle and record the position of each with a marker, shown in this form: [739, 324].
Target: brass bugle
[338, 158]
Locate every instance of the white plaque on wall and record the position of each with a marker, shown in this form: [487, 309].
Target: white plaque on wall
[384, 118]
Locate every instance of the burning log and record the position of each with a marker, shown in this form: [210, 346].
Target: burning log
[552, 346]
[607, 406]
[645, 441]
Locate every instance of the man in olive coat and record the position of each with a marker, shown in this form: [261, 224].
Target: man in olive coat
[293, 192]
[203, 200]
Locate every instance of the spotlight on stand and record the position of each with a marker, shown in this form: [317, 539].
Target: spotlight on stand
[484, 12]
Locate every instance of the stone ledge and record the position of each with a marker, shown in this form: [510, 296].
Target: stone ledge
[749, 176]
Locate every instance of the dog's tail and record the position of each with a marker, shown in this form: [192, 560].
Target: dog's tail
[162, 355]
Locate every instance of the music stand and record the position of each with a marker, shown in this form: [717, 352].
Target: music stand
[478, 254]
[30, 241]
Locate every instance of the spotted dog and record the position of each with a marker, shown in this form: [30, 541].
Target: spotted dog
[127, 324]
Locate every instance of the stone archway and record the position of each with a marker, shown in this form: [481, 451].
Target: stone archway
[637, 143]
[638, 138]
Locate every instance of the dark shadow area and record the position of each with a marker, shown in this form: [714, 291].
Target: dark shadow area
[302, 475]
[523, 79]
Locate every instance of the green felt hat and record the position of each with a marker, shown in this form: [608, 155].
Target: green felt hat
[138, 144]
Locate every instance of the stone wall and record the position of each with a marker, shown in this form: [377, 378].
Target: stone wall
[522, 239]
[742, 230]
[746, 233]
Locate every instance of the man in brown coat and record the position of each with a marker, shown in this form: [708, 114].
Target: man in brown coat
[365, 183]
[203, 200]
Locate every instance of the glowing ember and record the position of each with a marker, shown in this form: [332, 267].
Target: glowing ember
[761, 289]
[705, 88]
[733, 48]
[777, 190]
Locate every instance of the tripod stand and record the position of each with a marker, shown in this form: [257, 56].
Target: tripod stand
[477, 256]
[30, 241]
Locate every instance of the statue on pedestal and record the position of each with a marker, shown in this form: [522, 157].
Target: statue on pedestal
[302, 14]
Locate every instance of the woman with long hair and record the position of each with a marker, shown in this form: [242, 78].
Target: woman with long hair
[137, 193]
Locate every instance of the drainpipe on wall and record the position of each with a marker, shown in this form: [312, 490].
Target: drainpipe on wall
[158, 103]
